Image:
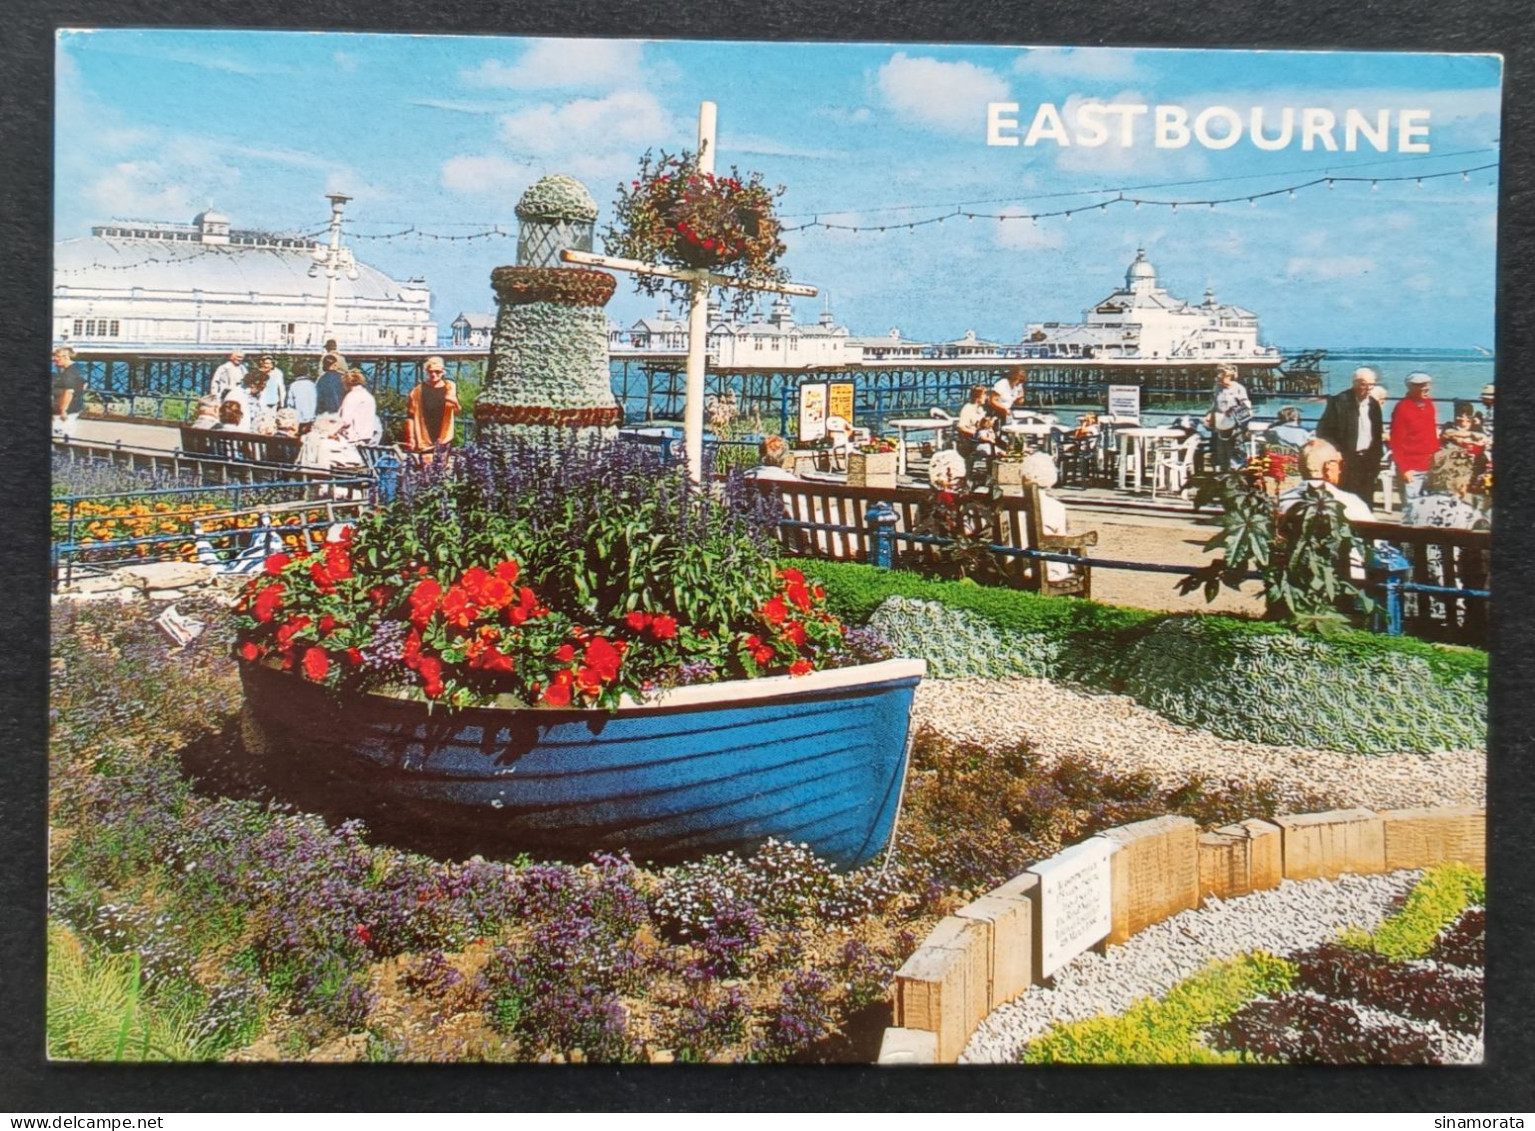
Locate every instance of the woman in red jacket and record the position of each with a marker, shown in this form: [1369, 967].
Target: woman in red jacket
[1414, 431]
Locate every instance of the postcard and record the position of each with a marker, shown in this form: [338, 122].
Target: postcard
[578, 551]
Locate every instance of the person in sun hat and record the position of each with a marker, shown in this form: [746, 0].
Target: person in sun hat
[1414, 433]
[1484, 418]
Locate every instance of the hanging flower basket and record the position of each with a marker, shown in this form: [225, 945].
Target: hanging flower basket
[671, 213]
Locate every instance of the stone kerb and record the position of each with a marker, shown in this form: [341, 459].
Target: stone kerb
[990, 951]
[1155, 873]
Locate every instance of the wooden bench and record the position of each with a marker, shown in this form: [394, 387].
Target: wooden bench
[246, 447]
[810, 508]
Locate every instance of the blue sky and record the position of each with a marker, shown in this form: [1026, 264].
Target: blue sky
[444, 133]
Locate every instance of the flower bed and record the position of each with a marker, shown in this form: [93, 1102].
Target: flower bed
[275, 930]
[484, 581]
[1258, 680]
[1410, 992]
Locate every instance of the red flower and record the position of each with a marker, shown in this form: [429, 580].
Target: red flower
[316, 664]
[565, 653]
[322, 578]
[249, 651]
[268, 601]
[774, 611]
[507, 571]
[799, 596]
[379, 594]
[277, 563]
[792, 576]
[338, 561]
[457, 609]
[494, 660]
[430, 670]
[603, 659]
[795, 631]
[423, 601]
[327, 624]
[760, 652]
[589, 681]
[638, 620]
[410, 654]
[558, 692]
[353, 657]
[287, 632]
[664, 627]
[801, 667]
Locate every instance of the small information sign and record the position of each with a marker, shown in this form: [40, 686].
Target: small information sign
[840, 401]
[812, 412]
[1125, 400]
[1074, 909]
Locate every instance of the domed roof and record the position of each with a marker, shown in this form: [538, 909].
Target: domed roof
[557, 197]
[1140, 269]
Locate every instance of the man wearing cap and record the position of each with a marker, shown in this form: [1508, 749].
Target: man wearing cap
[1484, 418]
[1414, 433]
[228, 376]
[1351, 423]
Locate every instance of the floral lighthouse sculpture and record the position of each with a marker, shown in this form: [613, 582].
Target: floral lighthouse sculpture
[547, 381]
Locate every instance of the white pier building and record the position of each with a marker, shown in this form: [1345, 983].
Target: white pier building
[1141, 321]
[205, 285]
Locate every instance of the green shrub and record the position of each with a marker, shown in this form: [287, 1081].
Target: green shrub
[1289, 689]
[1166, 1031]
[1435, 902]
[1242, 679]
[961, 645]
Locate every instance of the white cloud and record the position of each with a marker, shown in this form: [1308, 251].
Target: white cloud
[843, 116]
[140, 191]
[590, 137]
[1024, 235]
[937, 94]
[1077, 63]
[555, 63]
[485, 175]
[1329, 267]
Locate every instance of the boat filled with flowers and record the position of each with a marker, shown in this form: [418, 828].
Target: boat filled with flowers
[577, 651]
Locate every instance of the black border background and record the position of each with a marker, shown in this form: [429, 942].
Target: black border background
[26, 83]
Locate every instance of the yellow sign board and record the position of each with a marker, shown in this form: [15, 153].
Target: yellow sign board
[840, 400]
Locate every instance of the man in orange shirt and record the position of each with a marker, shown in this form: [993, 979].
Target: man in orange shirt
[1414, 432]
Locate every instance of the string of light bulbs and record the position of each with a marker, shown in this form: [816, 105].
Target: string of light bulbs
[1135, 201]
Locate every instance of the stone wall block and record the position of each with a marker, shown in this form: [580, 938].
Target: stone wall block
[1257, 864]
[1010, 957]
[1326, 845]
[942, 986]
[1224, 865]
[908, 1046]
[1421, 838]
[1155, 873]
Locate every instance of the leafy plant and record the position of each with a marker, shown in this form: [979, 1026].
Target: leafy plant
[1435, 902]
[1297, 553]
[1167, 1031]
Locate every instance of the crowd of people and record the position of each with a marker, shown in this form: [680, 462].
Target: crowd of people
[266, 402]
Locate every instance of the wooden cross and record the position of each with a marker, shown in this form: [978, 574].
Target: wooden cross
[699, 280]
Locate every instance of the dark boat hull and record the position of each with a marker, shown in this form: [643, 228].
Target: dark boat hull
[819, 760]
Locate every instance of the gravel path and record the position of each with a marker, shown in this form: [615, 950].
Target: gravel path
[1290, 918]
[1116, 733]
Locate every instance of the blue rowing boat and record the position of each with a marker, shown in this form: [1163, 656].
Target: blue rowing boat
[817, 759]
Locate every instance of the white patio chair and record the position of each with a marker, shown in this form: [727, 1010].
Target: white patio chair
[1174, 466]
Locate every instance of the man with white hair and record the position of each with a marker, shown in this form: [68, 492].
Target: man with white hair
[1352, 424]
[1321, 466]
[229, 376]
[1039, 471]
